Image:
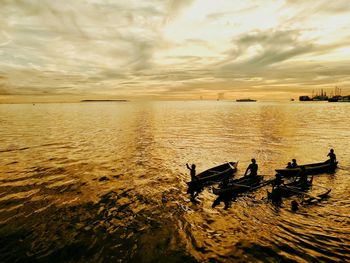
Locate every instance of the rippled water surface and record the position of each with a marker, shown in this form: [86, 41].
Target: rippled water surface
[106, 182]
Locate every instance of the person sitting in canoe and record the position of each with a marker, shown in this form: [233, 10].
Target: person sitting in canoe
[252, 168]
[332, 156]
[192, 171]
[294, 163]
[289, 165]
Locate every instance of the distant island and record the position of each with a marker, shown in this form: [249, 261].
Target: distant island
[104, 101]
[246, 100]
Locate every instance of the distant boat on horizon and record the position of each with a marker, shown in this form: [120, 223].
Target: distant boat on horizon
[246, 100]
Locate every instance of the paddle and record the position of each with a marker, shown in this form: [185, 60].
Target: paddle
[291, 188]
[262, 184]
[266, 182]
[239, 185]
[320, 186]
[231, 165]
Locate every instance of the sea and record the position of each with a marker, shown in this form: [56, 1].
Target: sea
[106, 182]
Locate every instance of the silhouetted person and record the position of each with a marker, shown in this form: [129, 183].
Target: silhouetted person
[192, 171]
[227, 198]
[294, 163]
[332, 156]
[252, 168]
[278, 181]
[277, 192]
[302, 175]
[194, 191]
[289, 165]
[225, 181]
[295, 205]
[276, 195]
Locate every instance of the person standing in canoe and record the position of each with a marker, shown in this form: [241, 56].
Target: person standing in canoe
[332, 156]
[192, 171]
[294, 163]
[252, 168]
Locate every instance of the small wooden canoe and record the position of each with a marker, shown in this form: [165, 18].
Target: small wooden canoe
[314, 168]
[290, 189]
[214, 174]
[295, 188]
[241, 185]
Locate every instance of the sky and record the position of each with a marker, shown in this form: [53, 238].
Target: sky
[56, 51]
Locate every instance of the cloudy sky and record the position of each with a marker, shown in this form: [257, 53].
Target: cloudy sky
[172, 49]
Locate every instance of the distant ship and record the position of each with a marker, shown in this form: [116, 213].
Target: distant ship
[344, 99]
[320, 96]
[305, 98]
[334, 98]
[246, 100]
[315, 98]
[339, 99]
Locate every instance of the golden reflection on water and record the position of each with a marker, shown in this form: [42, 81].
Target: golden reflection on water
[111, 177]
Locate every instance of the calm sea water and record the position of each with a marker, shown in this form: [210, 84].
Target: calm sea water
[106, 182]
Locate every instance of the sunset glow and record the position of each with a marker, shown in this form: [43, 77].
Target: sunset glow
[166, 50]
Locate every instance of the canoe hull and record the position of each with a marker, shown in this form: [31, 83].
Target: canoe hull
[315, 168]
[240, 185]
[287, 191]
[214, 174]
